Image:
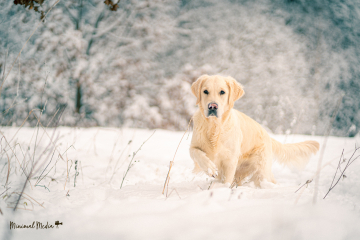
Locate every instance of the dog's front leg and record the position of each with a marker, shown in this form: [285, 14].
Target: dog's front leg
[228, 170]
[199, 157]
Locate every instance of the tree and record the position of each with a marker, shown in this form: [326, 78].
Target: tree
[131, 63]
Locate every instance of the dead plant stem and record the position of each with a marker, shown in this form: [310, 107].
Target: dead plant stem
[167, 180]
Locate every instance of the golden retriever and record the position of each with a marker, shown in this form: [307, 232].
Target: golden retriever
[228, 145]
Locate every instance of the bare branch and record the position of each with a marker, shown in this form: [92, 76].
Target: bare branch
[328, 130]
[342, 173]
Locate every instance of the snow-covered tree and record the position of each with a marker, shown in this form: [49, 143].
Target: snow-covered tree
[135, 66]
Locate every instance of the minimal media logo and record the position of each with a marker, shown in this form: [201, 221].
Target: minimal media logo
[57, 223]
[35, 225]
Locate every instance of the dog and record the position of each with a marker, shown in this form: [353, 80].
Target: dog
[230, 146]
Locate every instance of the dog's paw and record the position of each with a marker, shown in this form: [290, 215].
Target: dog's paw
[205, 163]
[210, 168]
[212, 172]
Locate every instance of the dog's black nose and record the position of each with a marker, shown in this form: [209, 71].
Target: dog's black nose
[212, 106]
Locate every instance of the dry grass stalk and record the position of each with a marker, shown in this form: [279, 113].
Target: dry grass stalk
[167, 180]
[211, 185]
[306, 183]
[50, 138]
[8, 172]
[39, 124]
[303, 189]
[316, 173]
[117, 162]
[39, 178]
[134, 154]
[172, 192]
[317, 177]
[38, 163]
[67, 172]
[32, 171]
[5, 191]
[13, 152]
[27, 197]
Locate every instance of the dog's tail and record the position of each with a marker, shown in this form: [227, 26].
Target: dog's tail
[294, 154]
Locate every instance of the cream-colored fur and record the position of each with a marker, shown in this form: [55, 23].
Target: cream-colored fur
[231, 145]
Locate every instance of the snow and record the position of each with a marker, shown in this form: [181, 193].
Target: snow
[98, 209]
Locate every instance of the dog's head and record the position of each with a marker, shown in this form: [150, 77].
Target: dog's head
[216, 94]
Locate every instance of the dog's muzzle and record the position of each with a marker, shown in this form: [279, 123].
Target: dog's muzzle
[212, 107]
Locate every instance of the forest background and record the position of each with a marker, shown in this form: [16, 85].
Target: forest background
[132, 63]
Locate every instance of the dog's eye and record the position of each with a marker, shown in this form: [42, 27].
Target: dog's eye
[206, 92]
[222, 92]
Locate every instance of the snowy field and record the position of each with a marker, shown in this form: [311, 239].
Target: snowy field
[81, 189]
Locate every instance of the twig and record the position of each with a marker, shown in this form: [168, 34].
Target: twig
[67, 171]
[115, 167]
[350, 161]
[33, 170]
[316, 173]
[31, 199]
[171, 193]
[5, 191]
[134, 154]
[300, 194]
[28, 177]
[211, 185]
[22, 191]
[40, 204]
[8, 172]
[22, 124]
[338, 166]
[317, 178]
[56, 125]
[13, 153]
[307, 184]
[40, 179]
[43, 187]
[167, 180]
[303, 189]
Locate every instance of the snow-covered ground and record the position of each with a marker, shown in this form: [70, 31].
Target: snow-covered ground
[96, 208]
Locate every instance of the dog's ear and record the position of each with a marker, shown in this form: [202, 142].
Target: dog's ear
[236, 90]
[196, 87]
